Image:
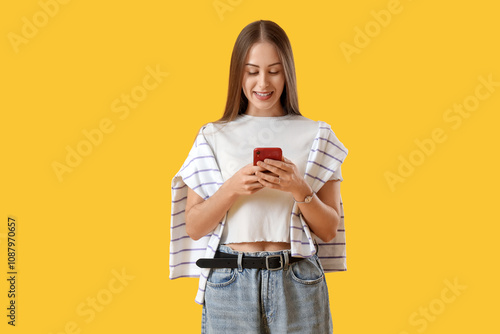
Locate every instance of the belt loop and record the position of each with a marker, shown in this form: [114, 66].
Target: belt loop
[285, 255]
[240, 258]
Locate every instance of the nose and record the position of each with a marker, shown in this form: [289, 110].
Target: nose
[263, 80]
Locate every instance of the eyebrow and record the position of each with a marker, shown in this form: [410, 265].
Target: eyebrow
[267, 66]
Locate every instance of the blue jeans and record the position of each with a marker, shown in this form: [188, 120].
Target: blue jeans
[291, 300]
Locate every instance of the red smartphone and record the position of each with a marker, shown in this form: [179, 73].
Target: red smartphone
[261, 153]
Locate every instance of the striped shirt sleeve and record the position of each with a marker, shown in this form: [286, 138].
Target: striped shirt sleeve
[201, 173]
[325, 158]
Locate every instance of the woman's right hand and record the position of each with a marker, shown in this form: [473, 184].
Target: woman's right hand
[244, 181]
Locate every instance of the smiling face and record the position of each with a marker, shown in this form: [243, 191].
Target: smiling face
[263, 80]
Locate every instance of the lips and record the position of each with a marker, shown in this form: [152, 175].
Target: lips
[263, 95]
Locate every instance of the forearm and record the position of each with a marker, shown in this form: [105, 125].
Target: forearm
[321, 218]
[203, 217]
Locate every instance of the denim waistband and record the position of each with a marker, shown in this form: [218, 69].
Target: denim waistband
[229, 250]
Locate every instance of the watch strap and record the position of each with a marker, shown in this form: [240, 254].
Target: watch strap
[307, 199]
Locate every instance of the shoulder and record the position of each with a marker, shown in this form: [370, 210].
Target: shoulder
[208, 129]
[326, 128]
[211, 132]
[203, 134]
[319, 127]
[329, 138]
[324, 125]
[299, 120]
[305, 120]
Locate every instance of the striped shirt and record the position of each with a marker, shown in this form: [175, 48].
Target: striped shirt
[201, 173]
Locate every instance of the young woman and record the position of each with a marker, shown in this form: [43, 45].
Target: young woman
[263, 235]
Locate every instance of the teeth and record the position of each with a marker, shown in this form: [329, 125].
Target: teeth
[260, 94]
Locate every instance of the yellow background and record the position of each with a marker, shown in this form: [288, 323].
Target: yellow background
[112, 211]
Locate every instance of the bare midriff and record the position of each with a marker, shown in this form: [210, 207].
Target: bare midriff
[260, 246]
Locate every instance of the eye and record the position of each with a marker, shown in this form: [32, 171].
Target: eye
[274, 72]
[253, 73]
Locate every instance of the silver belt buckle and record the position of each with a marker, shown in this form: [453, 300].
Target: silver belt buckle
[274, 269]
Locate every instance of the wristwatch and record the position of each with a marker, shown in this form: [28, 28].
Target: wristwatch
[308, 199]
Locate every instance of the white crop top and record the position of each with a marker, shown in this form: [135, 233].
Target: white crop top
[264, 215]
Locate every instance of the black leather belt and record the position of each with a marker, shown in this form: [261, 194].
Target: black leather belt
[226, 260]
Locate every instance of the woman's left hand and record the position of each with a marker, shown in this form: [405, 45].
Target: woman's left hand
[285, 177]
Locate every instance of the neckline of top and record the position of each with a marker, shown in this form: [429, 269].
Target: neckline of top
[265, 117]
